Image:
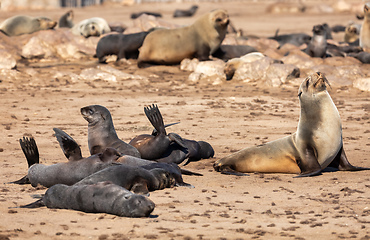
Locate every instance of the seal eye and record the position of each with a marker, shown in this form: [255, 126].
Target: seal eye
[307, 83]
[218, 19]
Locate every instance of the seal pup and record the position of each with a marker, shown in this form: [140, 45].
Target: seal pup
[66, 20]
[352, 33]
[316, 144]
[317, 46]
[122, 45]
[199, 40]
[153, 146]
[67, 173]
[185, 13]
[20, 24]
[365, 29]
[296, 39]
[101, 132]
[91, 27]
[102, 197]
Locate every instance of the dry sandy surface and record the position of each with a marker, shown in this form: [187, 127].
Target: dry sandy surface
[230, 116]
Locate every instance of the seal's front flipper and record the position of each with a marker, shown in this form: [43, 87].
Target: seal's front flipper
[155, 117]
[177, 139]
[37, 204]
[341, 162]
[69, 146]
[184, 184]
[308, 164]
[30, 150]
[224, 169]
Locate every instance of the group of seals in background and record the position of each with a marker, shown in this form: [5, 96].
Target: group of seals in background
[113, 163]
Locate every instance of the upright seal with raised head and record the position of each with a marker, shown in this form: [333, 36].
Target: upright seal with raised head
[199, 40]
[316, 144]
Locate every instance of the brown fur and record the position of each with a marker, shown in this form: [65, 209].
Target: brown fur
[365, 29]
[171, 46]
[20, 24]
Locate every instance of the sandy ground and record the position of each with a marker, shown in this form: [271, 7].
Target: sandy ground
[230, 116]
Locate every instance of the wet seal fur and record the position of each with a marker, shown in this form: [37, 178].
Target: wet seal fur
[121, 45]
[102, 197]
[316, 144]
[199, 40]
[101, 132]
[365, 29]
[20, 24]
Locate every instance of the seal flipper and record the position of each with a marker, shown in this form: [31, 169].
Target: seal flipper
[309, 165]
[69, 146]
[155, 117]
[37, 204]
[177, 139]
[31, 153]
[341, 162]
[225, 169]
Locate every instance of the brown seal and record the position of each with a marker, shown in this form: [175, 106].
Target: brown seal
[101, 132]
[365, 29]
[20, 24]
[66, 20]
[102, 197]
[199, 40]
[317, 46]
[316, 144]
[154, 146]
[185, 13]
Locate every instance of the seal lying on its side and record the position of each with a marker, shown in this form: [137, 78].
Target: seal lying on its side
[317, 144]
[91, 27]
[102, 197]
[20, 24]
[154, 146]
[101, 132]
[185, 13]
[66, 173]
[199, 40]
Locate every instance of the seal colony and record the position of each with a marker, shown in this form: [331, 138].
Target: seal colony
[316, 144]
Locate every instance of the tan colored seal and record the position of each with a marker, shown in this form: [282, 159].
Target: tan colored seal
[316, 145]
[20, 24]
[199, 40]
[365, 29]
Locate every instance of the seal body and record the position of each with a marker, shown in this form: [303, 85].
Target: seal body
[101, 132]
[185, 13]
[102, 197]
[91, 27]
[317, 143]
[365, 29]
[20, 24]
[66, 20]
[70, 172]
[317, 46]
[153, 146]
[199, 40]
[135, 179]
[121, 45]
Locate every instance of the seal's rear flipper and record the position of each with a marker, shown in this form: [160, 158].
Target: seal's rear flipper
[155, 117]
[22, 181]
[341, 162]
[177, 139]
[69, 146]
[187, 172]
[229, 171]
[184, 184]
[37, 204]
[30, 150]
